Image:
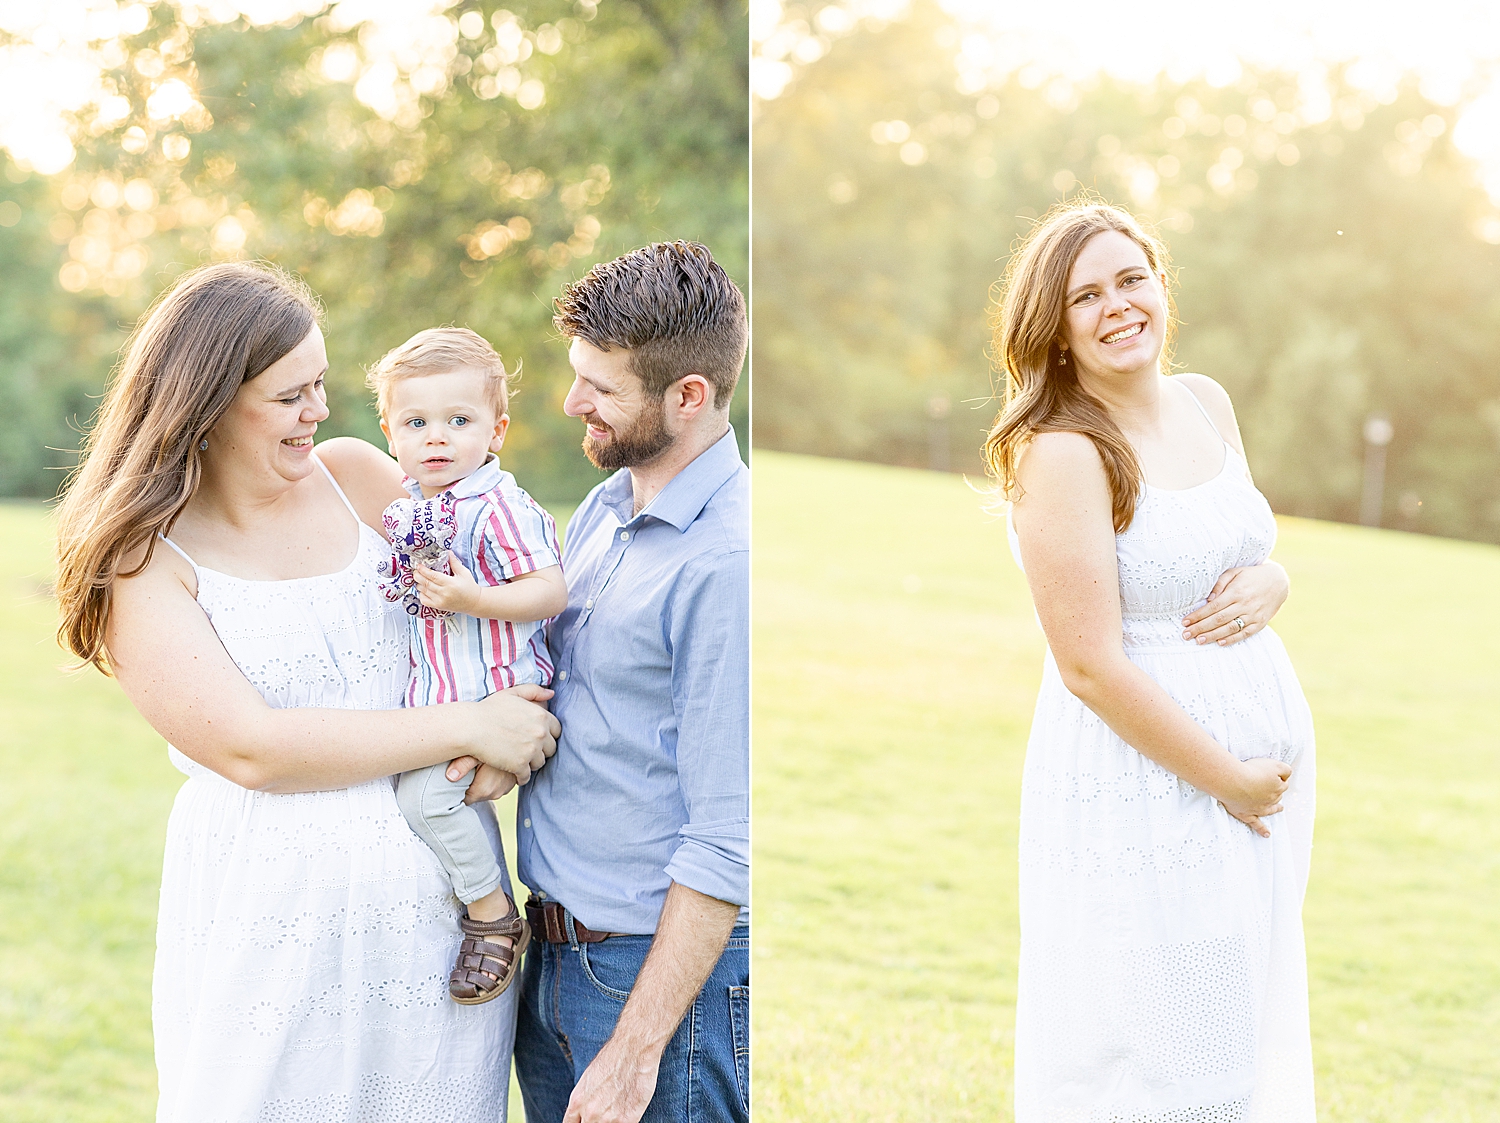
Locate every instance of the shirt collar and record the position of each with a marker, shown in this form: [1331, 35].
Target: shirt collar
[485, 478]
[686, 493]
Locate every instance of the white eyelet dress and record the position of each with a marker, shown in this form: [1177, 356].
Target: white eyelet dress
[1162, 972]
[304, 941]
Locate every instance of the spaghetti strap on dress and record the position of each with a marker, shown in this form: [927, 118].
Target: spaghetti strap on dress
[340, 491]
[304, 941]
[180, 551]
[1162, 971]
[1197, 401]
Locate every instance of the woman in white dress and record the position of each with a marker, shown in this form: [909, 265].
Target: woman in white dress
[305, 933]
[1167, 797]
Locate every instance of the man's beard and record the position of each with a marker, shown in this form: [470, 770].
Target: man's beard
[645, 440]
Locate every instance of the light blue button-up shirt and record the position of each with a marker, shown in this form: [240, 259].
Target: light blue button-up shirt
[651, 781]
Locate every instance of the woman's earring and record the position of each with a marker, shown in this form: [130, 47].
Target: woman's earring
[1062, 359]
[203, 445]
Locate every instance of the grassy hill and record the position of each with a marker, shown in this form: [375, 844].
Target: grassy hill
[896, 665]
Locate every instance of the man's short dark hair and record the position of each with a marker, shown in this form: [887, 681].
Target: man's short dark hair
[672, 306]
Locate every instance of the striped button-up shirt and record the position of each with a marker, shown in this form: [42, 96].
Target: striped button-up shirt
[502, 533]
[651, 781]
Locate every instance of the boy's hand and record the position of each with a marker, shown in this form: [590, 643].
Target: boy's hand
[455, 592]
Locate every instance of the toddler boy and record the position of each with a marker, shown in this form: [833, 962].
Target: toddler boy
[475, 561]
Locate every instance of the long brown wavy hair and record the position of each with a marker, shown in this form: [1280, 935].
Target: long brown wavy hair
[217, 328]
[1042, 394]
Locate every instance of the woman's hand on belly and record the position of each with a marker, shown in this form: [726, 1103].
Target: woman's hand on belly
[1263, 780]
[1253, 594]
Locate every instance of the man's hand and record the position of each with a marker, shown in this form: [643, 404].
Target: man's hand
[489, 783]
[619, 1082]
[451, 592]
[617, 1086]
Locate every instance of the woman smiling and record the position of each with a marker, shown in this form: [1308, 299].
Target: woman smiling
[1167, 798]
[305, 933]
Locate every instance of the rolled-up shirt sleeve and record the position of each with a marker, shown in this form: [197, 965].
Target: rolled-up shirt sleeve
[709, 632]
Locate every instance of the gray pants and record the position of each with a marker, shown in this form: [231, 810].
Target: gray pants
[465, 839]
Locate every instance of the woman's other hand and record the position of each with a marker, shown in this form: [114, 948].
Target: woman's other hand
[1253, 594]
[515, 734]
[1263, 780]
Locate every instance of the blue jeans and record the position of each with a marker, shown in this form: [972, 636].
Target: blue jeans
[571, 997]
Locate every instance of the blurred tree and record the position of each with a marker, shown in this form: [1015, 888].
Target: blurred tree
[437, 166]
[887, 203]
[53, 350]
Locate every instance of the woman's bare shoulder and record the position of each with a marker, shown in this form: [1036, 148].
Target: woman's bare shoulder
[1213, 396]
[164, 569]
[161, 595]
[355, 456]
[1216, 400]
[369, 477]
[1058, 455]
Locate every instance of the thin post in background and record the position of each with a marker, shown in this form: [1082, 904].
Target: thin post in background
[1378, 434]
[938, 441]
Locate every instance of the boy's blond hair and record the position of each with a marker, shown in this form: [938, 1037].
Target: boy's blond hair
[437, 351]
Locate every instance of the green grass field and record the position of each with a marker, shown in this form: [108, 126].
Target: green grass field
[85, 788]
[896, 664]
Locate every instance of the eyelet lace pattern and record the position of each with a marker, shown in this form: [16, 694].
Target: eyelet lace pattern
[304, 941]
[1162, 972]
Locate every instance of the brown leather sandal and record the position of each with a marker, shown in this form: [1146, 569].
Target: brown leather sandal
[486, 969]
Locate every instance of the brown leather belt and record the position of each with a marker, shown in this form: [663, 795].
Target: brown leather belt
[547, 923]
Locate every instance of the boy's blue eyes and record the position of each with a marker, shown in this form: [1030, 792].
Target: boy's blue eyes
[457, 422]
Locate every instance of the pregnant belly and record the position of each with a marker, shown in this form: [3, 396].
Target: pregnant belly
[1246, 695]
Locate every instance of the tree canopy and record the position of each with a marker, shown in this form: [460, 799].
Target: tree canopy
[1334, 257]
[451, 165]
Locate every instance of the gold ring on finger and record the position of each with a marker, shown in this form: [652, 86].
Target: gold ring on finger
[1239, 622]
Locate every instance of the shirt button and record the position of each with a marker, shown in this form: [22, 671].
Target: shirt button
[527, 824]
[624, 536]
[562, 676]
[589, 603]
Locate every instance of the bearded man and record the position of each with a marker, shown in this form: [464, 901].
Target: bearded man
[635, 839]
